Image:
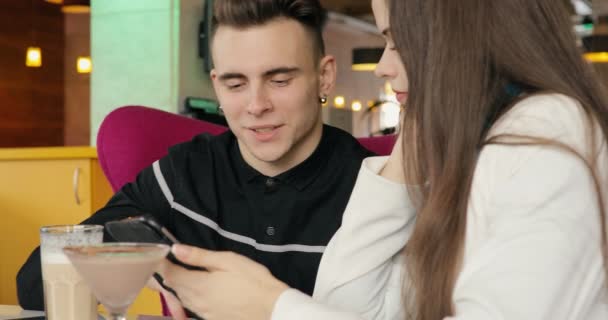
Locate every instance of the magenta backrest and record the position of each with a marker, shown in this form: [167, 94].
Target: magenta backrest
[382, 145]
[131, 138]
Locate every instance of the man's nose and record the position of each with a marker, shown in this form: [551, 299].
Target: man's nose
[259, 103]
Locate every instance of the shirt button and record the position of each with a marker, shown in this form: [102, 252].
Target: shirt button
[270, 231]
[270, 183]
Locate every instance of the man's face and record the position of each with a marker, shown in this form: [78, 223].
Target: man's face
[268, 83]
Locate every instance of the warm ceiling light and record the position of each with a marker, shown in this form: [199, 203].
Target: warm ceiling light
[597, 57]
[596, 47]
[83, 65]
[75, 9]
[356, 105]
[388, 88]
[389, 114]
[339, 102]
[33, 57]
[73, 6]
[366, 59]
[364, 67]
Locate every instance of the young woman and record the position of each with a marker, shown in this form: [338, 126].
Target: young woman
[505, 126]
[503, 151]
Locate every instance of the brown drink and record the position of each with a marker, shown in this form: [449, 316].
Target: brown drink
[116, 272]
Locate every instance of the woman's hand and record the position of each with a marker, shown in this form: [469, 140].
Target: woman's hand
[233, 287]
[171, 301]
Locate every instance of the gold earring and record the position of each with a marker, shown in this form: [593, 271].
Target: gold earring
[323, 100]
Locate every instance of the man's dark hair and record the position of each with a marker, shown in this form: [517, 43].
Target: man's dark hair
[247, 13]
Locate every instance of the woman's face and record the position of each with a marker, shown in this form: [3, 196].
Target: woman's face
[390, 66]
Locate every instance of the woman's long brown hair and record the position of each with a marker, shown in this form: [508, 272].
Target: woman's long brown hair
[460, 56]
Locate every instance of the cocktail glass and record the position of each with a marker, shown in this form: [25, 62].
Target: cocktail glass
[116, 272]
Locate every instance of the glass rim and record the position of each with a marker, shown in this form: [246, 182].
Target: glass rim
[121, 244]
[91, 249]
[70, 228]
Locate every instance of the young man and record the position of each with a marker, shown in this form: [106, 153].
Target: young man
[275, 186]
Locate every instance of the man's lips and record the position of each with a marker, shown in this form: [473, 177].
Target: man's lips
[264, 128]
[265, 133]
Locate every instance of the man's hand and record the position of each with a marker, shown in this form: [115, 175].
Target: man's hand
[233, 287]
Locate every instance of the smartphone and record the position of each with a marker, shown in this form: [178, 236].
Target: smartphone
[145, 228]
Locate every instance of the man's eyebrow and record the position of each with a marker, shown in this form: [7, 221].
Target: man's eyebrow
[281, 70]
[231, 75]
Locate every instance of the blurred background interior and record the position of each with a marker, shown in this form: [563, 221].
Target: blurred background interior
[65, 64]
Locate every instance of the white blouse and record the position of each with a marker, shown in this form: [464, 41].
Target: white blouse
[532, 246]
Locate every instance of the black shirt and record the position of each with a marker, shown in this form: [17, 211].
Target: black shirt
[208, 196]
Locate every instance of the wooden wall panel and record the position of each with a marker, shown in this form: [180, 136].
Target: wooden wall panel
[77, 86]
[31, 99]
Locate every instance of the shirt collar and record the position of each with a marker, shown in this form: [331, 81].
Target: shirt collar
[299, 176]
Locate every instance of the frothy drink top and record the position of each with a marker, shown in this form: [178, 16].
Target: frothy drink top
[53, 239]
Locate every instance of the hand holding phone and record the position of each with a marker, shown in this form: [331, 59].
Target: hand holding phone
[145, 229]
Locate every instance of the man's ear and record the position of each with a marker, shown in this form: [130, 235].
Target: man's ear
[327, 75]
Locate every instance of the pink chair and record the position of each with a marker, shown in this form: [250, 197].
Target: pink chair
[382, 145]
[131, 138]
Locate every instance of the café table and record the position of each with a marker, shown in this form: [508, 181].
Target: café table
[11, 312]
